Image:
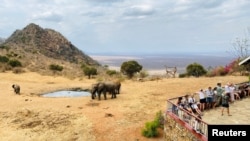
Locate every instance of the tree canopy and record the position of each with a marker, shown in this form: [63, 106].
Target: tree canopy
[129, 68]
[195, 69]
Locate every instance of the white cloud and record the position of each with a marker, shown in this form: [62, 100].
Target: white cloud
[48, 16]
[139, 10]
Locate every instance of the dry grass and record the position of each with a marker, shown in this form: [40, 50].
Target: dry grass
[30, 117]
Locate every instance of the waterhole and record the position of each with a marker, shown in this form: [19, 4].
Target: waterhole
[67, 93]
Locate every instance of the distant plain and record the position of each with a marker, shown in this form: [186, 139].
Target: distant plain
[156, 64]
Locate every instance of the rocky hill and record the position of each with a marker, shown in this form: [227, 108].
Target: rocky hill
[37, 48]
[1, 40]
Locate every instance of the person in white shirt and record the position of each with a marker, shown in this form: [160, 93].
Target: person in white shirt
[202, 99]
[193, 104]
[232, 91]
[209, 99]
[228, 90]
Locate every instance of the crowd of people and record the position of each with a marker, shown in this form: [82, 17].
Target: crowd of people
[212, 98]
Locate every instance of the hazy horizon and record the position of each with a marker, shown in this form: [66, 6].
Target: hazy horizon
[156, 62]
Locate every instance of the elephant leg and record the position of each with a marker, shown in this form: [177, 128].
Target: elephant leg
[99, 96]
[105, 95]
[114, 95]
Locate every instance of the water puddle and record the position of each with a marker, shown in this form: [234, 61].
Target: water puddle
[67, 94]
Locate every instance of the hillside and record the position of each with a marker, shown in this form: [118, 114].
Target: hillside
[1, 40]
[36, 48]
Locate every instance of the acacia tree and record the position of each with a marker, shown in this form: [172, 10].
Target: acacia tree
[129, 68]
[89, 71]
[195, 69]
[241, 46]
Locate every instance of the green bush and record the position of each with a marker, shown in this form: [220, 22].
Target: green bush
[15, 63]
[4, 59]
[111, 72]
[195, 69]
[4, 47]
[182, 75]
[56, 67]
[150, 129]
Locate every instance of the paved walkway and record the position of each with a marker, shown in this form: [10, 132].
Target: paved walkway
[240, 111]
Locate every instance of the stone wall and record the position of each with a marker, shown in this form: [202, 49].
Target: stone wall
[175, 130]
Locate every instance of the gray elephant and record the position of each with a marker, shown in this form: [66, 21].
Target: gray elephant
[117, 87]
[16, 88]
[103, 87]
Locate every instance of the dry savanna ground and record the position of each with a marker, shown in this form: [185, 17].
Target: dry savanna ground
[31, 117]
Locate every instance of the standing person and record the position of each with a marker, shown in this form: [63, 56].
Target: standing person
[225, 103]
[228, 91]
[202, 99]
[219, 92]
[214, 97]
[232, 91]
[209, 100]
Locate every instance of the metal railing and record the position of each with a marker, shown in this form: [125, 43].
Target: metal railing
[192, 120]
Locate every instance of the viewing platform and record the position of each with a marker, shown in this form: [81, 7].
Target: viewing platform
[240, 111]
[188, 125]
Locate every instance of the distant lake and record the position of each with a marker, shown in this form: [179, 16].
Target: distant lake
[158, 62]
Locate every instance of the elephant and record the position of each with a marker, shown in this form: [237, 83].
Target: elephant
[117, 87]
[97, 88]
[103, 87]
[16, 88]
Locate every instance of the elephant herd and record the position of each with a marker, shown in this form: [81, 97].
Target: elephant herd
[105, 87]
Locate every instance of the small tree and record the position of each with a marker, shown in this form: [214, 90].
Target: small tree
[129, 68]
[195, 69]
[89, 71]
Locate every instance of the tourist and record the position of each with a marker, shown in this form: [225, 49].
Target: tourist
[209, 99]
[193, 104]
[178, 105]
[225, 103]
[186, 105]
[202, 99]
[236, 92]
[228, 91]
[218, 95]
[214, 97]
[231, 88]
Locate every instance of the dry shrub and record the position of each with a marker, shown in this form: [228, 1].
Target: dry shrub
[17, 70]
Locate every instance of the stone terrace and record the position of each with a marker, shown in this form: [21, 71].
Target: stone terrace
[240, 111]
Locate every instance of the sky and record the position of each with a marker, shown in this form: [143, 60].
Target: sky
[134, 26]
